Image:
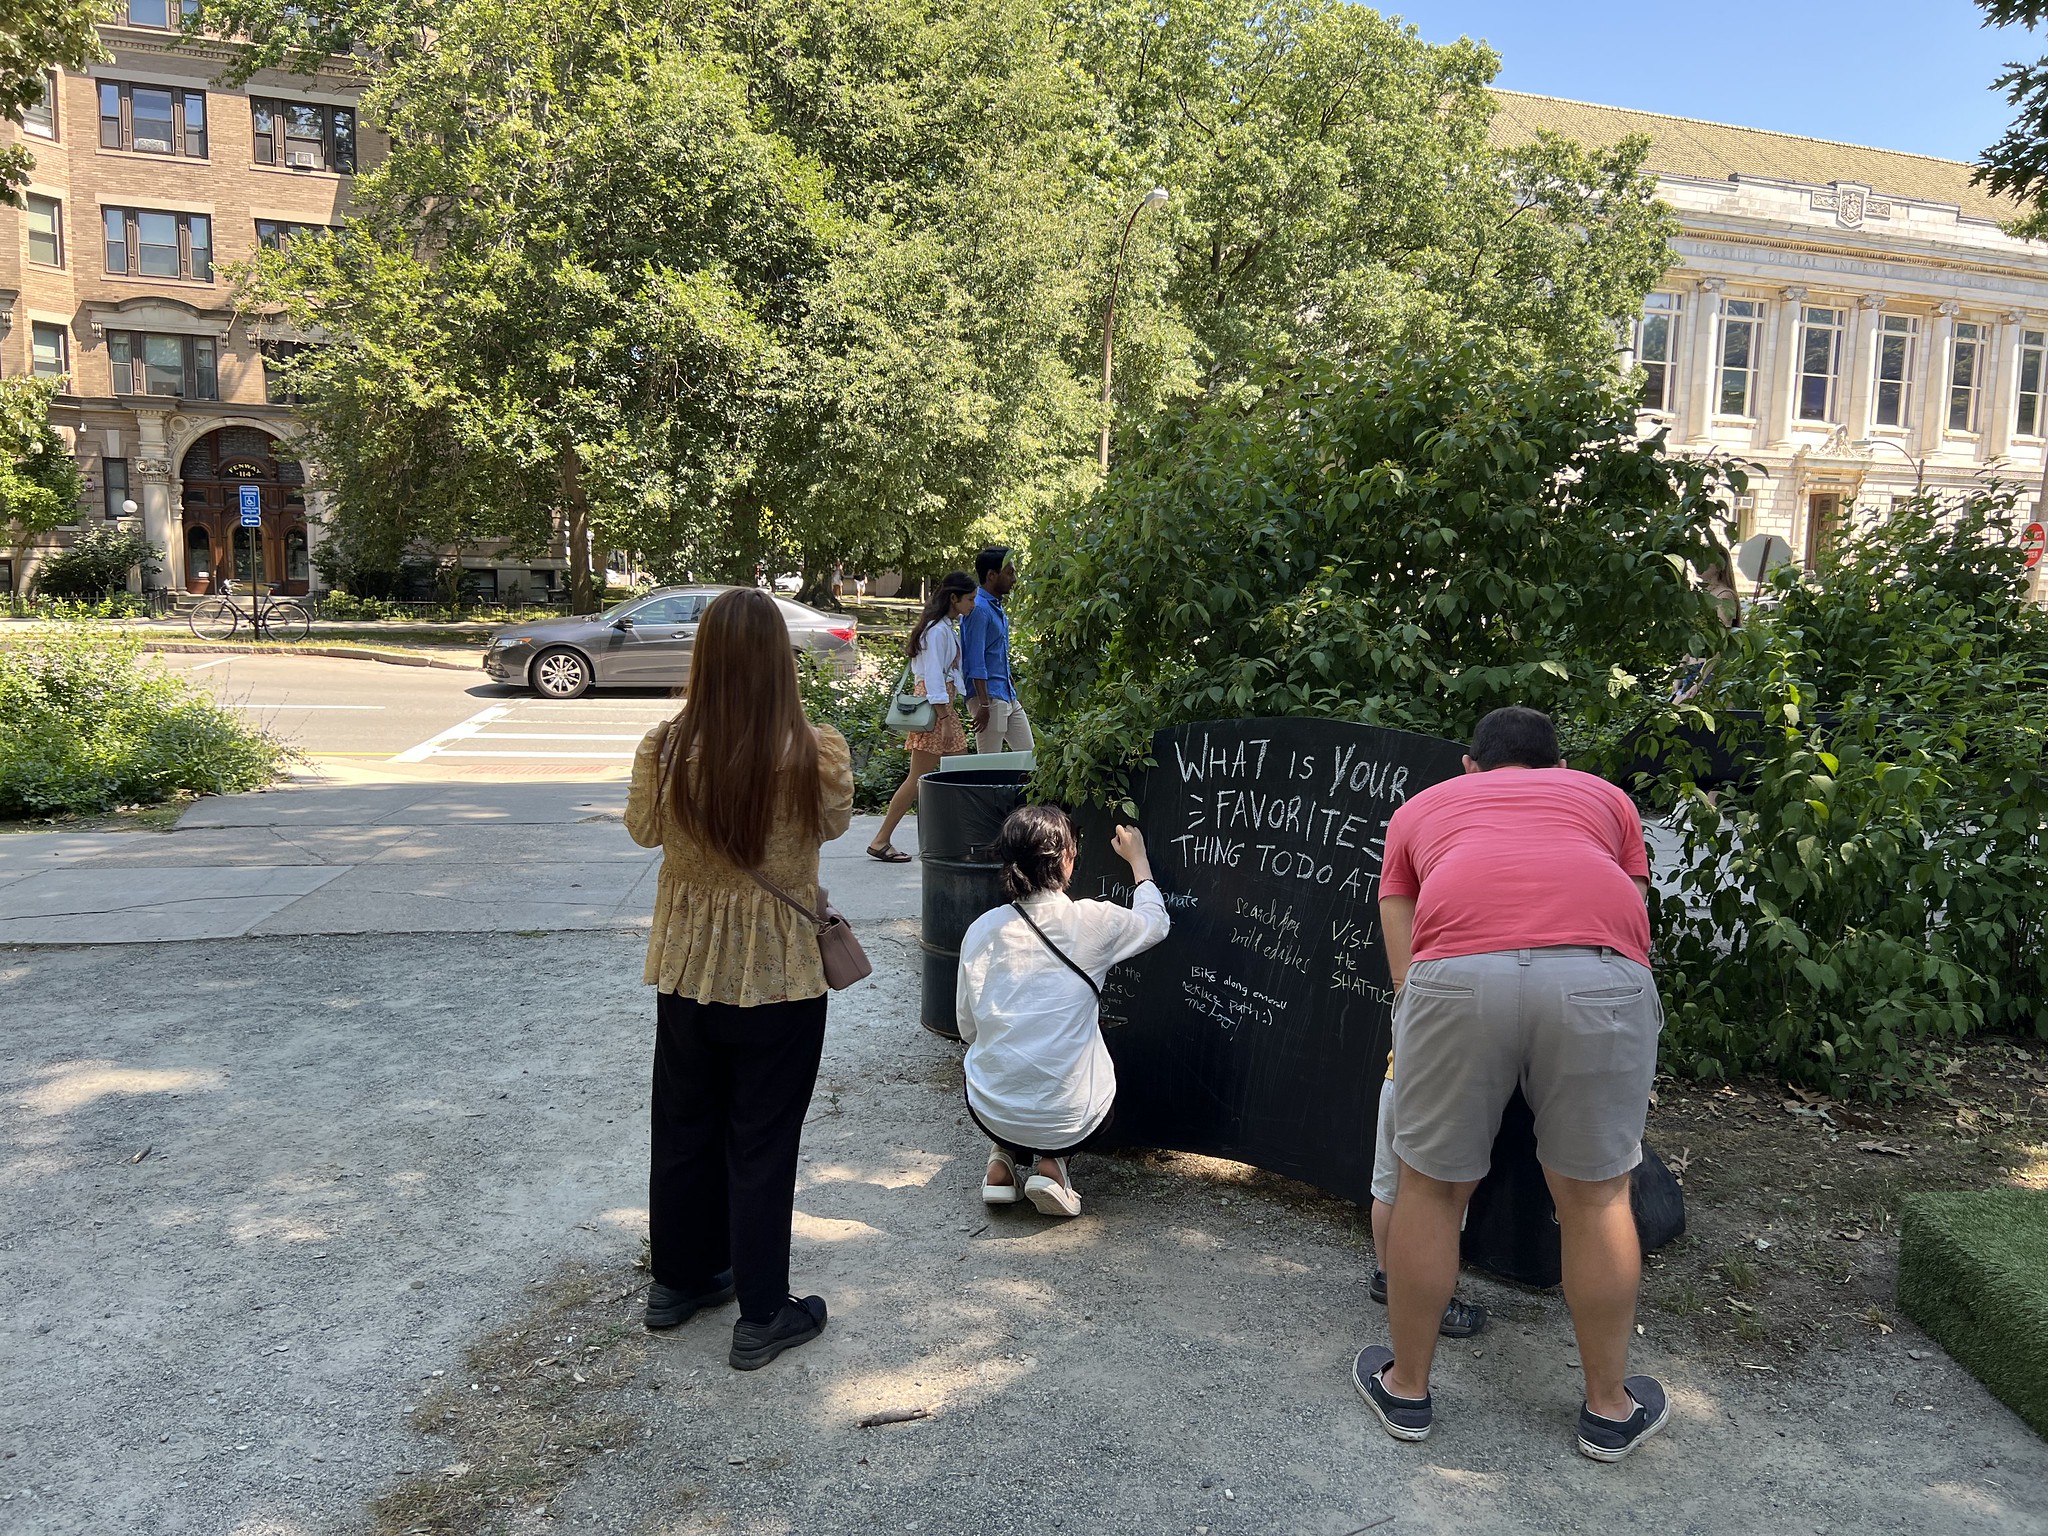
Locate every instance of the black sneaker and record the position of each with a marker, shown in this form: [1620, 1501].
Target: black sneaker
[755, 1344]
[1405, 1418]
[1617, 1439]
[1462, 1319]
[668, 1307]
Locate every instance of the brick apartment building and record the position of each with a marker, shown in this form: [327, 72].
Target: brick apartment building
[150, 179]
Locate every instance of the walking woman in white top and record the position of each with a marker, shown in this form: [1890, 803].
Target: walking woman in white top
[935, 666]
[1040, 1083]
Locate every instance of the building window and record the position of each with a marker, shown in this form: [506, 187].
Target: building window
[1965, 370]
[1820, 360]
[1656, 345]
[145, 244]
[115, 473]
[40, 116]
[157, 13]
[303, 136]
[45, 231]
[272, 234]
[2033, 346]
[48, 353]
[1898, 341]
[182, 366]
[1742, 327]
[153, 119]
[278, 357]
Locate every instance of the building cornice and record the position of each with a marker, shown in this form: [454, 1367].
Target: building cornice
[1909, 271]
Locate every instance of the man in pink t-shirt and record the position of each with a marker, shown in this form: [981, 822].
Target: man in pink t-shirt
[1512, 901]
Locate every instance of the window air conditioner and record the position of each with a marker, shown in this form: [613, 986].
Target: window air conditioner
[303, 159]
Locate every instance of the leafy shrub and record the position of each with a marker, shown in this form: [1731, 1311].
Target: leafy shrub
[855, 707]
[1410, 547]
[1881, 884]
[87, 724]
[96, 566]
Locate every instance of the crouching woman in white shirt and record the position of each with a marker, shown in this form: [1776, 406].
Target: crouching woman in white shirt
[1040, 1083]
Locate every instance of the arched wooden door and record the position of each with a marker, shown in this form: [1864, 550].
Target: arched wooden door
[216, 544]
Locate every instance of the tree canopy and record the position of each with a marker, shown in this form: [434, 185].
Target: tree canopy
[804, 281]
[37, 36]
[40, 483]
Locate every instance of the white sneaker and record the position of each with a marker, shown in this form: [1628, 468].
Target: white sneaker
[1053, 1197]
[1001, 1194]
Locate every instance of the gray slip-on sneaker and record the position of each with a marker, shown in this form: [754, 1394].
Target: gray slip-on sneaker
[1405, 1418]
[1617, 1439]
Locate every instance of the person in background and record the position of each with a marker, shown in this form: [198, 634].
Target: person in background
[1040, 1083]
[738, 785]
[1512, 904]
[935, 672]
[999, 721]
[1462, 1319]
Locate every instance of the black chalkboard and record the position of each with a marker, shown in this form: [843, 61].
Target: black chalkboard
[1259, 1029]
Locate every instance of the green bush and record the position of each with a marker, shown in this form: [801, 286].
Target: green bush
[1973, 1271]
[1881, 885]
[96, 566]
[1409, 545]
[855, 706]
[88, 724]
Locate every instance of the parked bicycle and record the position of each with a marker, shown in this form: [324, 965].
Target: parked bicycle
[217, 618]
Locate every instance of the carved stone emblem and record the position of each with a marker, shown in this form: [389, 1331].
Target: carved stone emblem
[1851, 204]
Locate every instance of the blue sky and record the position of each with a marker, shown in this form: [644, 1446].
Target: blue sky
[1893, 74]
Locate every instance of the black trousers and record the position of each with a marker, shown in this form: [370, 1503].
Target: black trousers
[1030, 1155]
[731, 1086]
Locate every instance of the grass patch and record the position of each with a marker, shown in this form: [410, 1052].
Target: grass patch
[126, 818]
[1973, 1271]
[522, 1417]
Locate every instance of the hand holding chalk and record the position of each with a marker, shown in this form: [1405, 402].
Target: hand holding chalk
[1129, 844]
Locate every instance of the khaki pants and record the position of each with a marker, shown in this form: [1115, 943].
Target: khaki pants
[1008, 729]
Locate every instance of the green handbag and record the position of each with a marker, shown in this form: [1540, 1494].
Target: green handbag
[908, 709]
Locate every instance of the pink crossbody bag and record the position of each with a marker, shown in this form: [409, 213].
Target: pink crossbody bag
[839, 951]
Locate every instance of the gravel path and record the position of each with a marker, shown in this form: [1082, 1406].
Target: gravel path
[259, 1197]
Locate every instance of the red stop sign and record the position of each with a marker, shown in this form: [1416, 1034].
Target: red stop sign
[2033, 539]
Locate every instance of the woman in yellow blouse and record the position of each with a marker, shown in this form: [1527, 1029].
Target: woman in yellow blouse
[739, 781]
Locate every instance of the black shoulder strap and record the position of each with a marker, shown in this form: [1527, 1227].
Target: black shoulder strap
[1048, 943]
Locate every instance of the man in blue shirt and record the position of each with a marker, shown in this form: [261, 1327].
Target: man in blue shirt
[999, 723]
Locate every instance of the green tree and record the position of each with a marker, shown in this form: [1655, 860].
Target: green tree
[1409, 545]
[40, 484]
[37, 36]
[2017, 165]
[96, 566]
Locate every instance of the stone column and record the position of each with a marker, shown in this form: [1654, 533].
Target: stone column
[1784, 379]
[1995, 441]
[1934, 393]
[1702, 378]
[1860, 359]
[152, 466]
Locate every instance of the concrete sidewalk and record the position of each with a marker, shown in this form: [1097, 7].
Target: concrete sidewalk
[382, 858]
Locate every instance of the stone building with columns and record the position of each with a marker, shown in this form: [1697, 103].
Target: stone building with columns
[1850, 321]
[151, 178]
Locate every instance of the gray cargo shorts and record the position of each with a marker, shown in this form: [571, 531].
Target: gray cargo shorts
[1576, 1027]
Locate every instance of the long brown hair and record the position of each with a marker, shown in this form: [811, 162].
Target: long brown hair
[742, 752]
[938, 607]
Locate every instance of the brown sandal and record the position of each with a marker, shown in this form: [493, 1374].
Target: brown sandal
[889, 855]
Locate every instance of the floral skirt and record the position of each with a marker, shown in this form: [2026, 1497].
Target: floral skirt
[946, 738]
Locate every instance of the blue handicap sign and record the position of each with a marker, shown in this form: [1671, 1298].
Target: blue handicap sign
[252, 506]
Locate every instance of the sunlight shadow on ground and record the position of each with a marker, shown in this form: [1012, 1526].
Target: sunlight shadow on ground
[73, 1085]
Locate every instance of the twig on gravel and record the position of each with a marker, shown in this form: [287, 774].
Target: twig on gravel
[138, 1157]
[1383, 1519]
[895, 1416]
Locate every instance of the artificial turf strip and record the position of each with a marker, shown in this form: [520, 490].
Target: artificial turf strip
[1973, 1271]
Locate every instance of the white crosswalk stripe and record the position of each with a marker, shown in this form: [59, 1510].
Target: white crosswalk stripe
[592, 731]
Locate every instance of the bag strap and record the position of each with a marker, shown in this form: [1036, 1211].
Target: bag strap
[903, 682]
[1048, 943]
[818, 920]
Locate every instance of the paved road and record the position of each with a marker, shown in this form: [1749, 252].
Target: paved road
[457, 723]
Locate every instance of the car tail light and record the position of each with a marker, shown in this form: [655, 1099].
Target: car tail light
[845, 634]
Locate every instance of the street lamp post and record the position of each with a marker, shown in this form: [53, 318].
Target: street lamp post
[1919, 464]
[1153, 199]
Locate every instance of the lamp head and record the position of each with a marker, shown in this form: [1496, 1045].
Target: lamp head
[1156, 198]
[128, 508]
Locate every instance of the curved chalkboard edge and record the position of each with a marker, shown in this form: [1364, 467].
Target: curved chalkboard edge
[1165, 733]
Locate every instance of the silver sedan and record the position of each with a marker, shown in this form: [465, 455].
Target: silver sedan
[644, 642]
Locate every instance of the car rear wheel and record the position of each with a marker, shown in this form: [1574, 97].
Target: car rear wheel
[560, 674]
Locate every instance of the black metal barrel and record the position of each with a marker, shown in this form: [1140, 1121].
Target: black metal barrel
[958, 817]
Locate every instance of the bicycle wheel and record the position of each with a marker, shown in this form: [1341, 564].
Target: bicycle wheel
[215, 619]
[287, 621]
